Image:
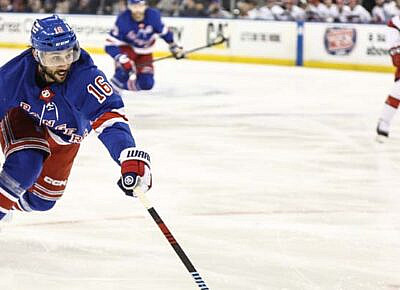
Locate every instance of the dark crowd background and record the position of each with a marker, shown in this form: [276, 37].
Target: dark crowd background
[353, 11]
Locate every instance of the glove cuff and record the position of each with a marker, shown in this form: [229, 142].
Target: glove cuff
[132, 153]
[135, 166]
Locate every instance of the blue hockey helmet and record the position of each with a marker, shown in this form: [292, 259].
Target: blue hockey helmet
[138, 8]
[136, 2]
[52, 34]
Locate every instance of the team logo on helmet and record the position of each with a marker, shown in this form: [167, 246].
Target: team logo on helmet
[59, 29]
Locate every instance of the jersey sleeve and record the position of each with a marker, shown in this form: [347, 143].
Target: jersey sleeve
[105, 111]
[393, 36]
[8, 97]
[3, 99]
[115, 38]
[159, 27]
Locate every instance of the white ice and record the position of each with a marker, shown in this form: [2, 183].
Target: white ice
[269, 178]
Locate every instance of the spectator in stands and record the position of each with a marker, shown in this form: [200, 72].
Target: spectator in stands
[168, 7]
[392, 9]
[49, 6]
[62, 7]
[35, 6]
[357, 13]
[215, 10]
[85, 7]
[120, 6]
[246, 9]
[6, 6]
[378, 12]
[343, 9]
[292, 12]
[191, 8]
[315, 11]
[111, 7]
[19, 6]
[331, 12]
[270, 10]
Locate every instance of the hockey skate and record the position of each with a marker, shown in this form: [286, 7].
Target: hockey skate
[382, 131]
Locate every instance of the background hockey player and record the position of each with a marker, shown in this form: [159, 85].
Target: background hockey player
[52, 95]
[131, 42]
[393, 100]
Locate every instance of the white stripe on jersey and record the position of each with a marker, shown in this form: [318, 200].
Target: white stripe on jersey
[112, 41]
[109, 123]
[3, 210]
[57, 138]
[164, 31]
[120, 111]
[7, 195]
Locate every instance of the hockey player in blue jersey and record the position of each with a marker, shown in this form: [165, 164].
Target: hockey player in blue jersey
[52, 95]
[130, 43]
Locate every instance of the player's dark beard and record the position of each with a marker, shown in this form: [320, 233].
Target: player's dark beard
[47, 75]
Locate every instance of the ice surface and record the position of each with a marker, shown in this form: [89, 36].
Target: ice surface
[268, 177]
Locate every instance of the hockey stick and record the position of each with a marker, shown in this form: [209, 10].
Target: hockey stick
[178, 250]
[221, 40]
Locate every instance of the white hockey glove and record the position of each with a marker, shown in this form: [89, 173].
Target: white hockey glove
[176, 50]
[135, 171]
[125, 62]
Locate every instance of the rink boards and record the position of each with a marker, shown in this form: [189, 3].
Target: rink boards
[341, 46]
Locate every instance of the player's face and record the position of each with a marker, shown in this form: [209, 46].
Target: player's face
[137, 11]
[55, 65]
[56, 74]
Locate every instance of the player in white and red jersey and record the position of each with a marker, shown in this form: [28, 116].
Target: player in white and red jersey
[393, 100]
[391, 9]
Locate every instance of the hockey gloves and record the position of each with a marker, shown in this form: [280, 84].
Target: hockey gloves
[135, 171]
[176, 50]
[125, 62]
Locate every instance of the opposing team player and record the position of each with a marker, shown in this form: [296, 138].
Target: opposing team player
[52, 95]
[393, 100]
[130, 43]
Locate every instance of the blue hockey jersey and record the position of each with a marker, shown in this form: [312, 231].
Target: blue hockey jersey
[70, 110]
[141, 36]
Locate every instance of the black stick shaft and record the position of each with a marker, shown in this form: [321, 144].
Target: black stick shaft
[186, 52]
[178, 250]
